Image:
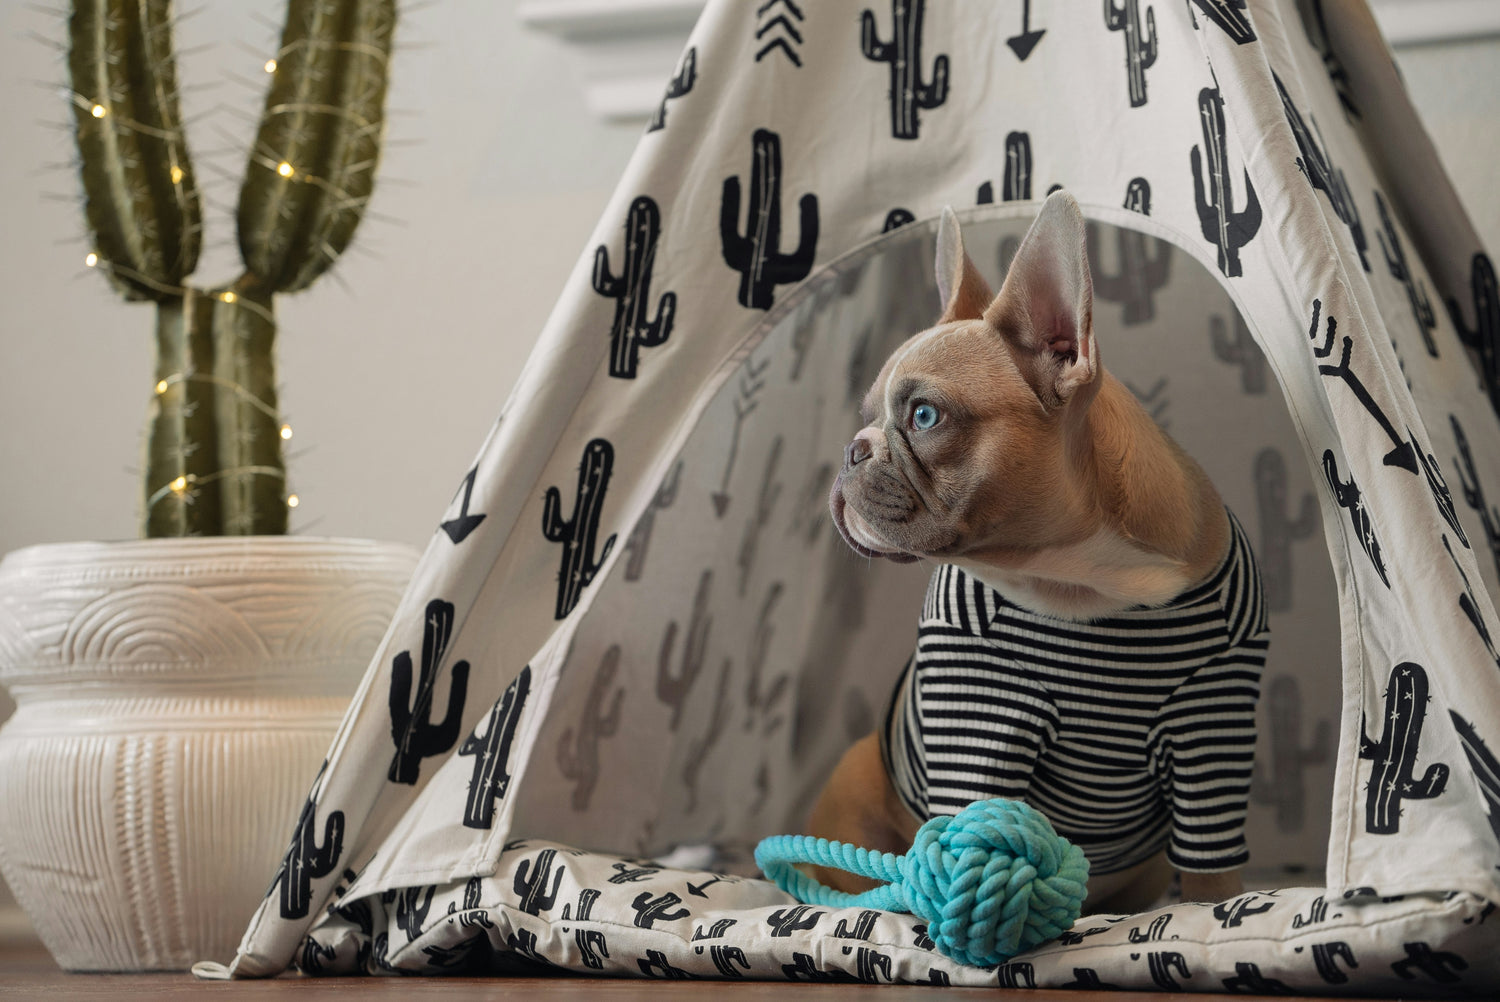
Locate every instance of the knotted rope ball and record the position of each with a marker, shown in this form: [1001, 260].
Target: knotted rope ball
[992, 881]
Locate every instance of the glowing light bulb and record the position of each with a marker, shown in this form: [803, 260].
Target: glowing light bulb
[161, 386]
[92, 260]
[292, 501]
[228, 297]
[286, 431]
[176, 174]
[270, 66]
[99, 111]
[179, 485]
[284, 169]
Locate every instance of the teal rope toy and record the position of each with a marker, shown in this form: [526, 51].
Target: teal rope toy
[992, 881]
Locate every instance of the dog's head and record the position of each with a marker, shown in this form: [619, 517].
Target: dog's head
[972, 424]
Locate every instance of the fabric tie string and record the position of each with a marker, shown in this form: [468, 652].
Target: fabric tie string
[992, 881]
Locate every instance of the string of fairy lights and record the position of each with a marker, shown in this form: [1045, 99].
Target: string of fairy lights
[183, 487]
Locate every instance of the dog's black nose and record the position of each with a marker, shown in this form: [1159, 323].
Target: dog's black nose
[856, 452]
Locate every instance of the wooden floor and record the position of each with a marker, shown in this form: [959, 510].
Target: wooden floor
[27, 972]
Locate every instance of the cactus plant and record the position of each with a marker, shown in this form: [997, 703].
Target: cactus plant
[672, 688]
[214, 461]
[1140, 50]
[904, 53]
[757, 255]
[1224, 228]
[1138, 196]
[531, 883]
[682, 82]
[1484, 336]
[579, 533]
[1017, 183]
[1140, 273]
[639, 542]
[1229, 15]
[1322, 174]
[415, 735]
[1278, 529]
[578, 750]
[490, 780]
[1394, 753]
[305, 860]
[631, 291]
[1283, 785]
[1395, 262]
[1240, 350]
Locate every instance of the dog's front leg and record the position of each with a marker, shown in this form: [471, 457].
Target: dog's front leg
[1211, 886]
[859, 806]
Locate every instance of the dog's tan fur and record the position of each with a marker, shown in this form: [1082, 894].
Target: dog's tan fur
[1044, 478]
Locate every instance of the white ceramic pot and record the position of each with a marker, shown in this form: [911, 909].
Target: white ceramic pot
[174, 699]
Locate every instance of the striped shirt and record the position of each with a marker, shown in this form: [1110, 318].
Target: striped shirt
[1130, 733]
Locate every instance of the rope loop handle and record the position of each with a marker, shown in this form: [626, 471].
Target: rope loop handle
[992, 881]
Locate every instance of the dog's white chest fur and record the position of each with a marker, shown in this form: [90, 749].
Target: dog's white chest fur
[1093, 577]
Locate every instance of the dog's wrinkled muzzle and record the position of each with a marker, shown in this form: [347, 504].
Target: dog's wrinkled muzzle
[836, 508]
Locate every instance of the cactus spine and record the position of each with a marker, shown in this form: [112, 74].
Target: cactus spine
[1224, 228]
[904, 53]
[579, 533]
[1140, 51]
[213, 457]
[757, 255]
[1395, 753]
[631, 291]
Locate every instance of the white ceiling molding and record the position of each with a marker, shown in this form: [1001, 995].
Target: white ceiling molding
[624, 51]
[1426, 22]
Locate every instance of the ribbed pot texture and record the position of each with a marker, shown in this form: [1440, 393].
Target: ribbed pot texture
[174, 698]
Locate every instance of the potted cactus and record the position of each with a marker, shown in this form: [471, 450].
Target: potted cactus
[176, 693]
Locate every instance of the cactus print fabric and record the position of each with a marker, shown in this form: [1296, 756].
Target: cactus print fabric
[634, 635]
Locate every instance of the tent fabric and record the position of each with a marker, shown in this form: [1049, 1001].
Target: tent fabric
[633, 629]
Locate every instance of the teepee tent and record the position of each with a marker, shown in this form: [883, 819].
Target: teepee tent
[634, 633]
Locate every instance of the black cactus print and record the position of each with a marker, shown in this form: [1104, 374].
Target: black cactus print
[1087, 977]
[1163, 965]
[785, 922]
[650, 909]
[715, 931]
[639, 542]
[1485, 766]
[593, 949]
[1016, 186]
[1439, 965]
[1231, 914]
[656, 965]
[1317, 913]
[804, 968]
[1326, 957]
[1017, 975]
[1138, 196]
[729, 961]
[1313, 23]
[1396, 264]
[1226, 229]
[1140, 48]
[1247, 978]
[861, 929]
[490, 779]
[761, 698]
[673, 686]
[1278, 529]
[1239, 350]
[682, 82]
[305, 860]
[1437, 484]
[1403, 454]
[1315, 164]
[632, 330]
[698, 749]
[1153, 933]
[534, 896]
[311, 957]
[412, 908]
[412, 730]
[1144, 264]
[1469, 605]
[1229, 15]
[578, 749]
[1394, 754]
[757, 255]
[629, 874]
[1349, 497]
[904, 54]
[1282, 783]
[1484, 336]
[1468, 482]
[579, 533]
[459, 526]
[760, 518]
[897, 218]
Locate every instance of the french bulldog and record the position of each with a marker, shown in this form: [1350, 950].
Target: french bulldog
[1073, 536]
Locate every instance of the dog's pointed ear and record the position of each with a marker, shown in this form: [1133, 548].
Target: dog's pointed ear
[1045, 308]
[965, 293]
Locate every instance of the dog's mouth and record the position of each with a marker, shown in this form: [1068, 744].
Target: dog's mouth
[851, 526]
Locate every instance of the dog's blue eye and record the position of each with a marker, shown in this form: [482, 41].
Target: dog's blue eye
[924, 417]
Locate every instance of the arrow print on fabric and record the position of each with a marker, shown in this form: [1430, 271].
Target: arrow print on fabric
[1023, 43]
[459, 526]
[751, 383]
[779, 41]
